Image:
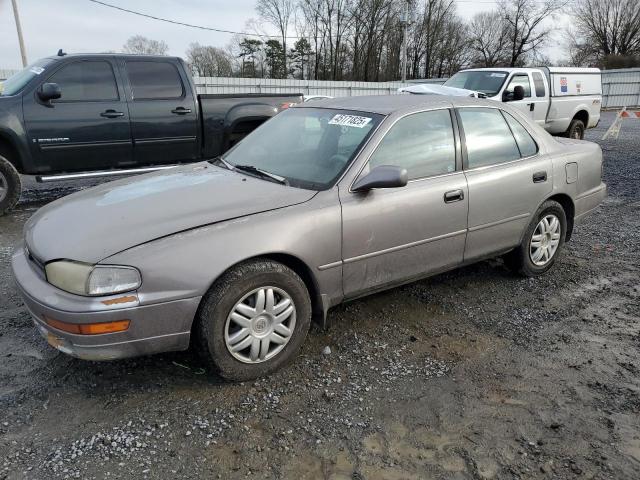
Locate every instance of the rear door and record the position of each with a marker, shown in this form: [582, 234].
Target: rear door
[163, 109]
[88, 127]
[508, 178]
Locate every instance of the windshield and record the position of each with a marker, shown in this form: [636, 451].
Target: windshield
[482, 81]
[17, 82]
[309, 147]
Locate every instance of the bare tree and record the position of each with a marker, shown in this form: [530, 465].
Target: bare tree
[207, 61]
[278, 13]
[608, 32]
[525, 22]
[488, 39]
[145, 46]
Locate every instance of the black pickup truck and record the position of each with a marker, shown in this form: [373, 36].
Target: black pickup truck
[74, 116]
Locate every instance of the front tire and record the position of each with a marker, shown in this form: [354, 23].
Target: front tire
[253, 320]
[541, 243]
[10, 185]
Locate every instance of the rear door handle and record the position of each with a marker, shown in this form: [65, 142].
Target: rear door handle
[532, 107]
[453, 196]
[539, 177]
[111, 114]
[181, 110]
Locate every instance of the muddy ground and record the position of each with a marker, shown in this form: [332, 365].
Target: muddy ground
[472, 374]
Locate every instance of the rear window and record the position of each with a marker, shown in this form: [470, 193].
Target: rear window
[488, 138]
[538, 82]
[154, 80]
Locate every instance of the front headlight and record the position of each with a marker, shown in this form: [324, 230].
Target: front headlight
[85, 279]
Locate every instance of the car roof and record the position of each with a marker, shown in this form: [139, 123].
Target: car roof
[388, 104]
[119, 55]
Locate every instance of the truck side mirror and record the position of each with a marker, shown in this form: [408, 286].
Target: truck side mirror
[48, 92]
[518, 92]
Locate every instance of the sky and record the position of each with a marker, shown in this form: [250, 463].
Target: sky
[81, 26]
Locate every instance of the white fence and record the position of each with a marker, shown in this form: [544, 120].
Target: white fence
[306, 87]
[619, 87]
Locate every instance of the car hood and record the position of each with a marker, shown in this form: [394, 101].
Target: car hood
[93, 224]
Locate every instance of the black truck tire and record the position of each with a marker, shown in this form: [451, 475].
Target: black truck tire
[10, 185]
[576, 129]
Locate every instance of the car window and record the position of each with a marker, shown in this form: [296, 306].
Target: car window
[153, 80]
[523, 81]
[538, 82]
[526, 143]
[423, 143]
[87, 81]
[487, 137]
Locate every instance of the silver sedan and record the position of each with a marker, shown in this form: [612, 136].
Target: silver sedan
[319, 205]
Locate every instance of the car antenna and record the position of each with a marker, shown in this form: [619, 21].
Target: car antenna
[61, 53]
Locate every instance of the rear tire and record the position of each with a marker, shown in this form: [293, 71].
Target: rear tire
[253, 320]
[576, 129]
[10, 185]
[541, 243]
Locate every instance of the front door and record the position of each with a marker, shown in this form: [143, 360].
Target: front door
[528, 104]
[164, 113]
[508, 179]
[394, 235]
[88, 127]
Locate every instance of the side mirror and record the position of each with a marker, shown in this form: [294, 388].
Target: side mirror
[384, 176]
[48, 92]
[518, 92]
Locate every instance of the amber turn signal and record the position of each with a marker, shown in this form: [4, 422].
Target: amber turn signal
[89, 328]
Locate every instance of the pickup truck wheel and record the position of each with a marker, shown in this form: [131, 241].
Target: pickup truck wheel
[253, 320]
[541, 243]
[10, 185]
[576, 129]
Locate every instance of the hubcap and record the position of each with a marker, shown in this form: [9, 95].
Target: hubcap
[545, 240]
[260, 325]
[4, 186]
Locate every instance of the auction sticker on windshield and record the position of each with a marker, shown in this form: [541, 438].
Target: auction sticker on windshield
[349, 121]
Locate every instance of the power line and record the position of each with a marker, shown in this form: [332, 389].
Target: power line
[175, 22]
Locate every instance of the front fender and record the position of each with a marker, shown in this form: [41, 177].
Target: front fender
[13, 133]
[186, 264]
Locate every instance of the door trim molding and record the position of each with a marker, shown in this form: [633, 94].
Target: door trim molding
[499, 222]
[66, 146]
[402, 247]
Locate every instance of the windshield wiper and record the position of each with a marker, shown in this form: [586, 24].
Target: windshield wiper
[221, 161]
[261, 173]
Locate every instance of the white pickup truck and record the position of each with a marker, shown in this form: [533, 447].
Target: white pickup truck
[565, 101]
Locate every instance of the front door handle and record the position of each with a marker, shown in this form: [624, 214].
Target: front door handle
[111, 114]
[532, 107]
[453, 196]
[539, 177]
[181, 110]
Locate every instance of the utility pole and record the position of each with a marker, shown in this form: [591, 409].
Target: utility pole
[23, 53]
[404, 21]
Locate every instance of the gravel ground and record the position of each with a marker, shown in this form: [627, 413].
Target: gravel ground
[471, 374]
